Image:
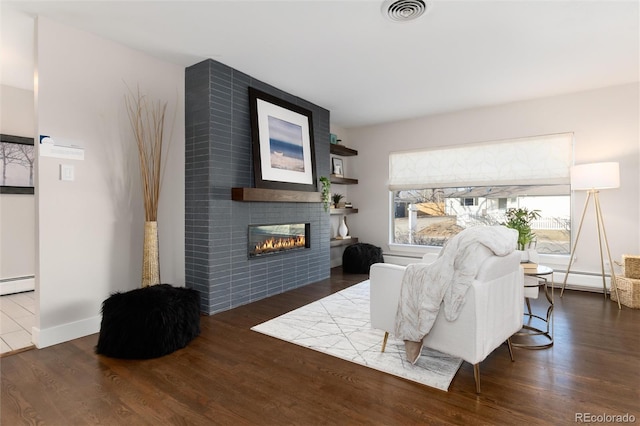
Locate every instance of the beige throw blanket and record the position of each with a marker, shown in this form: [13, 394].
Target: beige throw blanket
[425, 287]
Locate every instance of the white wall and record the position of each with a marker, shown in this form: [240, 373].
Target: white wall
[17, 115]
[17, 235]
[606, 127]
[90, 231]
[17, 211]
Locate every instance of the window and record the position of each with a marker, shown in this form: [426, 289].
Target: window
[437, 193]
[429, 217]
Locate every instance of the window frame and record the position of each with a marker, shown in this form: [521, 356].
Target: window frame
[492, 209]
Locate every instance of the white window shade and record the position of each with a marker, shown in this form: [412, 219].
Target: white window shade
[540, 160]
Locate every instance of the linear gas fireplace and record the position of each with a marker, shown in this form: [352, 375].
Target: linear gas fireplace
[280, 238]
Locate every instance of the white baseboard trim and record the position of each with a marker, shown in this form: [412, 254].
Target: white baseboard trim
[43, 338]
[17, 285]
[335, 262]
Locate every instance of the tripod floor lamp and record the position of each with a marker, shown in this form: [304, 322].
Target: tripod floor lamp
[592, 178]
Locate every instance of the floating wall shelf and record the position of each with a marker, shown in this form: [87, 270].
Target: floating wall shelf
[334, 242]
[342, 180]
[342, 150]
[343, 211]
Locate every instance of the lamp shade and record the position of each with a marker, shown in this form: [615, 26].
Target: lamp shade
[595, 176]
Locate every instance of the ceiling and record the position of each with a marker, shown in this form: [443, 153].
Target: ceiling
[345, 56]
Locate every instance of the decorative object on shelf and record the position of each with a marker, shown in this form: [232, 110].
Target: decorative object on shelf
[520, 219]
[283, 144]
[348, 205]
[337, 167]
[147, 123]
[326, 188]
[336, 199]
[333, 138]
[343, 231]
[17, 159]
[591, 178]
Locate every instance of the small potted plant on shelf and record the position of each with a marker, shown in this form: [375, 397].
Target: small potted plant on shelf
[336, 199]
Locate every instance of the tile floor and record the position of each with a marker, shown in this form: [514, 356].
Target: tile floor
[17, 316]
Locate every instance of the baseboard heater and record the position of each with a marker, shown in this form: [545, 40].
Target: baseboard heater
[577, 280]
[17, 284]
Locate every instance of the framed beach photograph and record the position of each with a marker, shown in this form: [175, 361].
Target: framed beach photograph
[283, 146]
[337, 167]
[16, 164]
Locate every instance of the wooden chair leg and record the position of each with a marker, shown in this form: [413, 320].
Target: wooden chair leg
[510, 349]
[476, 367]
[476, 376]
[384, 342]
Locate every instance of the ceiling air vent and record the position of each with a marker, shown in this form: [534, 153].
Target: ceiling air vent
[404, 10]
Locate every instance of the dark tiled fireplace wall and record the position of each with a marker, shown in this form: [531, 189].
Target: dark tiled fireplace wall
[218, 158]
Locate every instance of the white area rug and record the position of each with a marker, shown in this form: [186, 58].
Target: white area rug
[339, 325]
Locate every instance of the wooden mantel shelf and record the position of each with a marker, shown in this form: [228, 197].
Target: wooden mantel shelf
[275, 195]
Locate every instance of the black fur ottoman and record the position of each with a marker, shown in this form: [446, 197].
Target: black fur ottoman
[148, 322]
[358, 258]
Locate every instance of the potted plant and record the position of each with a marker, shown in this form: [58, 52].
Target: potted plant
[520, 219]
[336, 199]
[326, 187]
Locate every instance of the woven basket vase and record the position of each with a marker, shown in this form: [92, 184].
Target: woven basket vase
[150, 255]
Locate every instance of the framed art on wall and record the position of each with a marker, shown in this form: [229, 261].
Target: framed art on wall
[16, 164]
[283, 145]
[336, 167]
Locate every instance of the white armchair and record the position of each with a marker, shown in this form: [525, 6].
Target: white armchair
[492, 312]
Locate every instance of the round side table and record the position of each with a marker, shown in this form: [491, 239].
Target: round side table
[541, 277]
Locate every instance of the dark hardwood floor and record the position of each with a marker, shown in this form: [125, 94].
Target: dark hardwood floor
[232, 375]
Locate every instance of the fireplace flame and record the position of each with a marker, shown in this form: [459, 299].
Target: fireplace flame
[278, 244]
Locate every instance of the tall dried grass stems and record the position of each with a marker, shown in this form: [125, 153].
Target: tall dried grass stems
[147, 123]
